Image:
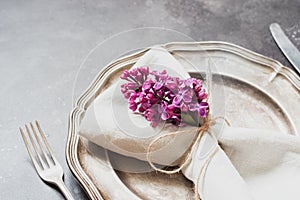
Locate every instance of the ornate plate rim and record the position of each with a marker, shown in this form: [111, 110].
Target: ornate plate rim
[79, 107]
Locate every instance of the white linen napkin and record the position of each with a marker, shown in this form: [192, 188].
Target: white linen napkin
[109, 123]
[268, 161]
[263, 164]
[220, 179]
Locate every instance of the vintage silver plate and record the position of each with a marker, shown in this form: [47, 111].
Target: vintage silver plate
[259, 93]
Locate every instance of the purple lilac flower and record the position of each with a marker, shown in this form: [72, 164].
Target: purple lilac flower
[160, 97]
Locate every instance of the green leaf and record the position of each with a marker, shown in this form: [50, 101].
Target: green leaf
[188, 119]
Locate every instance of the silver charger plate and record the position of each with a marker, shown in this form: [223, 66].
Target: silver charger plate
[259, 93]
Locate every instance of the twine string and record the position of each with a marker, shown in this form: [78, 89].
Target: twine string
[188, 153]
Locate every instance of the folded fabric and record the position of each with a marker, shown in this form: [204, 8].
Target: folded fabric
[248, 164]
[268, 161]
[109, 123]
[220, 179]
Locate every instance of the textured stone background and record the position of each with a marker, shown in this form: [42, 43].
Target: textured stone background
[42, 44]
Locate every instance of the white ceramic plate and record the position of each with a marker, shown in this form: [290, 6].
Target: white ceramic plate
[259, 93]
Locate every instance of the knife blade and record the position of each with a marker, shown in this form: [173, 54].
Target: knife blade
[286, 46]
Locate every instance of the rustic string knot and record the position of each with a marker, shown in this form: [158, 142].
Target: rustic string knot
[204, 128]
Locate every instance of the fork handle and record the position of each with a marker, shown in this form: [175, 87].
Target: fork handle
[66, 192]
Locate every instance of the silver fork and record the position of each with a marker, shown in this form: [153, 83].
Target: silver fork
[49, 170]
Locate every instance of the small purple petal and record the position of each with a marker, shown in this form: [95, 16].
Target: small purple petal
[184, 107]
[202, 112]
[188, 95]
[158, 85]
[149, 114]
[202, 94]
[125, 74]
[177, 99]
[133, 72]
[144, 70]
[165, 116]
[133, 106]
[147, 85]
[204, 104]
[203, 109]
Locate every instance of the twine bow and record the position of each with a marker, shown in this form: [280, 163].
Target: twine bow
[188, 153]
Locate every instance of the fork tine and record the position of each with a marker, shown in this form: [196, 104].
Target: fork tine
[35, 147]
[41, 146]
[45, 141]
[51, 174]
[36, 165]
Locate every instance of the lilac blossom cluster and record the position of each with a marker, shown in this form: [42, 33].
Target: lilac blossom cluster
[160, 97]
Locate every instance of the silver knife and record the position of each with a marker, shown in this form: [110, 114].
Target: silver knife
[286, 46]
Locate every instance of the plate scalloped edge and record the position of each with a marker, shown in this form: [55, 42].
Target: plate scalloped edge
[79, 108]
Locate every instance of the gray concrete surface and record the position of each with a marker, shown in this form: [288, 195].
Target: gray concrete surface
[42, 44]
